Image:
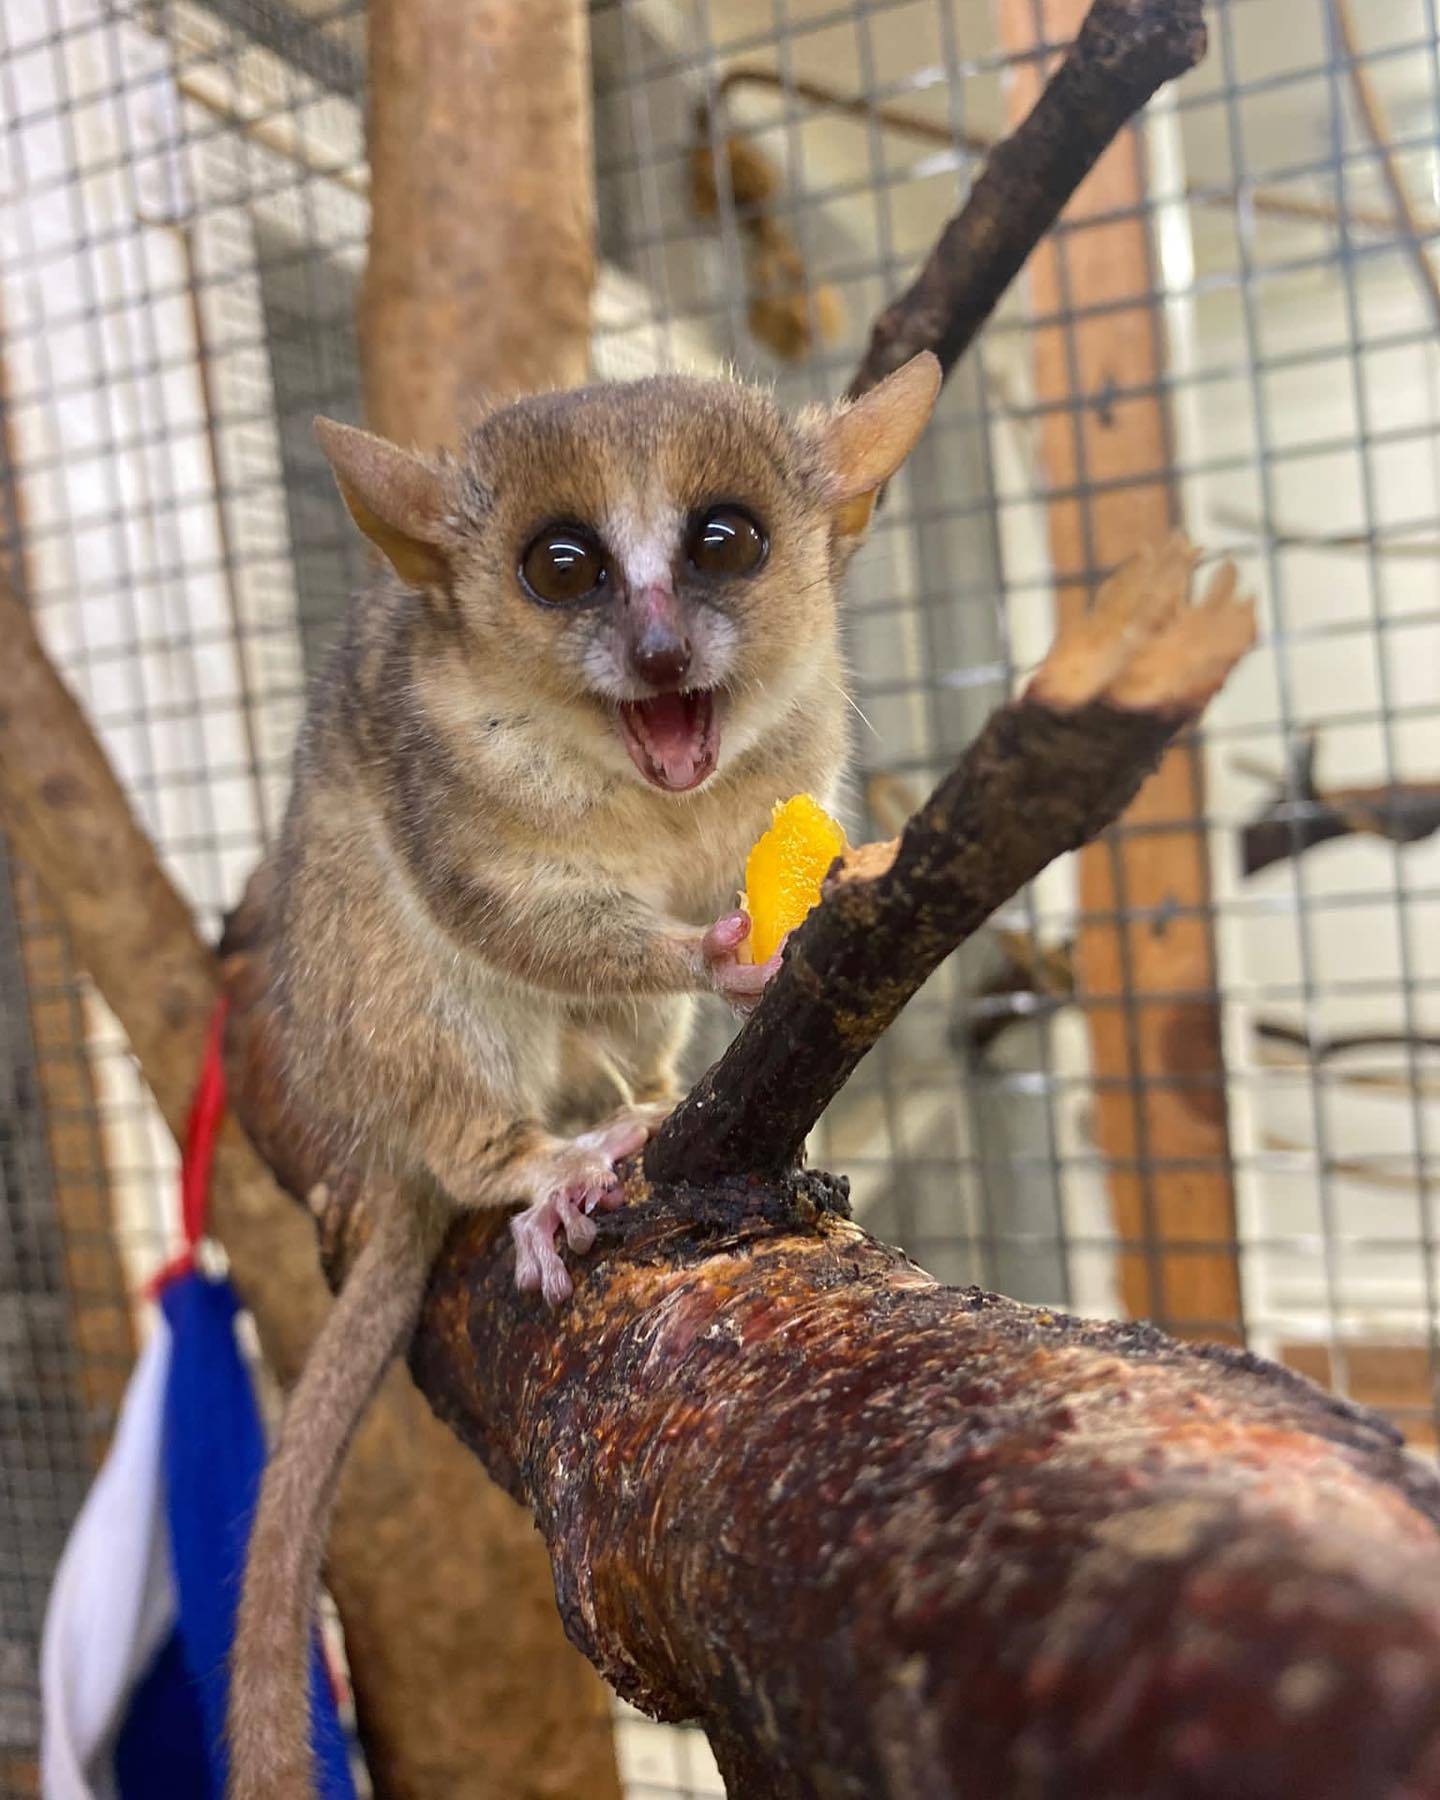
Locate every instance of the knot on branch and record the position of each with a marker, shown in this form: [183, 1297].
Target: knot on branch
[664, 1221]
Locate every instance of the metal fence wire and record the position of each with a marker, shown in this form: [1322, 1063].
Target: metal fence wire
[1194, 1073]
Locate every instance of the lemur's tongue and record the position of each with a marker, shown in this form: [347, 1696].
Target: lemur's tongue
[672, 738]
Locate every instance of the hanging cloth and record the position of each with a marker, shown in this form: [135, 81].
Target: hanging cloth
[135, 1650]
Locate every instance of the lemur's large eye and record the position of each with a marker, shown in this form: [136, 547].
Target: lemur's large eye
[564, 565]
[726, 541]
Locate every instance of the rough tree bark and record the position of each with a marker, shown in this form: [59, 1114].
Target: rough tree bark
[882, 1537]
[1124, 51]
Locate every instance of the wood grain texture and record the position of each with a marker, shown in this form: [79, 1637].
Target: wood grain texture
[1145, 955]
[482, 252]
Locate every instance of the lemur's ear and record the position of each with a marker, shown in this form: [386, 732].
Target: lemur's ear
[864, 442]
[397, 498]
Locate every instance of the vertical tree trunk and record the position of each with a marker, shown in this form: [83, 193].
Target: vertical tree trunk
[482, 223]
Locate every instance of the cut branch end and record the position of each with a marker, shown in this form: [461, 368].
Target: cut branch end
[1144, 646]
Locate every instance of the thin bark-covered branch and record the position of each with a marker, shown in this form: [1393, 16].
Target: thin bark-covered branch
[1325, 1049]
[1401, 813]
[1302, 814]
[1125, 51]
[1044, 775]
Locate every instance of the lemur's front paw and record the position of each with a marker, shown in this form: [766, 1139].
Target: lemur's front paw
[739, 984]
[573, 1181]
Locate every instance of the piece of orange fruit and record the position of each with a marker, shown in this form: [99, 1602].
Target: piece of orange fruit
[784, 870]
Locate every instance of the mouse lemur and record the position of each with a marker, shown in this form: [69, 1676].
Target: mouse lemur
[607, 644]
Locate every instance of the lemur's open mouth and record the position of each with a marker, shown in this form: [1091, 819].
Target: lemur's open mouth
[673, 739]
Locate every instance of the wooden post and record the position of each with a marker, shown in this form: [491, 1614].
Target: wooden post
[1145, 953]
[482, 215]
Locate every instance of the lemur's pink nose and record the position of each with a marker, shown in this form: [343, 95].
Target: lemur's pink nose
[659, 646]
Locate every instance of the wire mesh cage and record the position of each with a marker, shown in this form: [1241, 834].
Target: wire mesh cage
[1193, 1076]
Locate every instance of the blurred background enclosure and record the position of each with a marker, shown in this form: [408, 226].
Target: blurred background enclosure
[1196, 1076]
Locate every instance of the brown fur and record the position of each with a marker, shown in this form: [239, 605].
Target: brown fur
[491, 924]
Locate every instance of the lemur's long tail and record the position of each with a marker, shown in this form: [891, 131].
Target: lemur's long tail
[369, 1325]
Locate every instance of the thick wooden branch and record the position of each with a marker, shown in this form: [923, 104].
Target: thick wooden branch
[886, 1538]
[1044, 775]
[1125, 50]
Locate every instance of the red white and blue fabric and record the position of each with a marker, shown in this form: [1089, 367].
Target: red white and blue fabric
[142, 1611]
